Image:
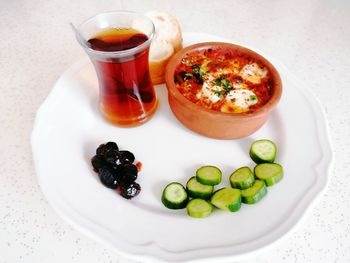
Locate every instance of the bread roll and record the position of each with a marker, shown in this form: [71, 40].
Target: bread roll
[160, 53]
[167, 40]
[166, 28]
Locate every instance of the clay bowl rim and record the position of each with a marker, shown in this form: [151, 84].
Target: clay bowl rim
[176, 59]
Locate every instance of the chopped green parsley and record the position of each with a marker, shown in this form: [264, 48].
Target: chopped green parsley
[224, 83]
[253, 97]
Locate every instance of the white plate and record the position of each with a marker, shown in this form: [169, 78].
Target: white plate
[68, 128]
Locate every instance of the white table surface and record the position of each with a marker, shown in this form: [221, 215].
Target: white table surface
[312, 38]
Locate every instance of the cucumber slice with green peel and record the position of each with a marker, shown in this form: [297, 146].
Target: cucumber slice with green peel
[254, 193]
[263, 151]
[227, 199]
[242, 178]
[199, 208]
[271, 173]
[209, 175]
[174, 196]
[197, 190]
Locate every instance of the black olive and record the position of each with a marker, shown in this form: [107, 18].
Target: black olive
[112, 157]
[111, 146]
[126, 156]
[97, 162]
[106, 147]
[130, 190]
[128, 172]
[101, 150]
[108, 177]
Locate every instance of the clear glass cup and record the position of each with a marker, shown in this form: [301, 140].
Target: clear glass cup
[126, 94]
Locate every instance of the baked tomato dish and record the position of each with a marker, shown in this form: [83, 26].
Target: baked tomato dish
[223, 80]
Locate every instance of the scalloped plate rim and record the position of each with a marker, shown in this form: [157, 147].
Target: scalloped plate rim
[317, 189]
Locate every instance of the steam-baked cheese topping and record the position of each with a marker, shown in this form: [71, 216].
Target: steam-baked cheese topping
[253, 73]
[238, 97]
[210, 92]
[242, 98]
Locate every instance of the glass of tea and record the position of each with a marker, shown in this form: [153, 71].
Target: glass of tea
[119, 53]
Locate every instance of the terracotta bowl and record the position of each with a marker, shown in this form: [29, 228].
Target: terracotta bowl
[212, 123]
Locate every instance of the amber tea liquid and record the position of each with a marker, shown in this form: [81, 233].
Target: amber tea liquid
[127, 97]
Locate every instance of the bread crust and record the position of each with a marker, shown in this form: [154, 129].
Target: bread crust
[167, 28]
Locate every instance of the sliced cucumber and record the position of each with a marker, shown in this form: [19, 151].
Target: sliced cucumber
[209, 175]
[254, 193]
[227, 199]
[199, 208]
[174, 196]
[242, 178]
[197, 190]
[271, 173]
[263, 151]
